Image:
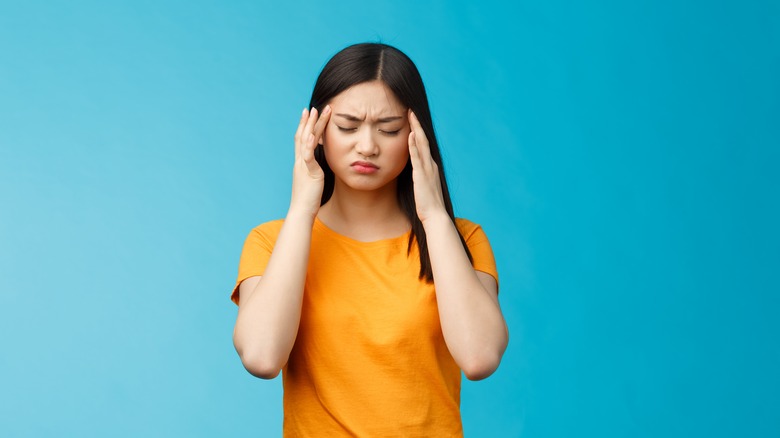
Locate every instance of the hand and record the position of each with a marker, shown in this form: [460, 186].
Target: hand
[425, 173]
[308, 177]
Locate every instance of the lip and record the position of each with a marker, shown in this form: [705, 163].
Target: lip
[364, 167]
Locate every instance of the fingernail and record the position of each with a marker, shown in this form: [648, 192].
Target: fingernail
[327, 108]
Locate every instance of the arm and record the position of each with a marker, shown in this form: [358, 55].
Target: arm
[471, 320]
[270, 306]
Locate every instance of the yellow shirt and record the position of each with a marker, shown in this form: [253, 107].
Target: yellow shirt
[370, 358]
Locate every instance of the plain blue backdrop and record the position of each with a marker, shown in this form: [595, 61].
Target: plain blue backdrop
[622, 157]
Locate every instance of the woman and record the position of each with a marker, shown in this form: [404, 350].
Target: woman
[369, 296]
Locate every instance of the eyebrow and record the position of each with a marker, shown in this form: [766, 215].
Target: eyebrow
[352, 118]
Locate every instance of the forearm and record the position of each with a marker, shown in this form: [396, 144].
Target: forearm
[268, 319]
[471, 320]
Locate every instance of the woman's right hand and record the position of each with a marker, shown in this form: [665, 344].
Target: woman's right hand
[308, 177]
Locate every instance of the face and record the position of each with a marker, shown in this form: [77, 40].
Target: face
[366, 139]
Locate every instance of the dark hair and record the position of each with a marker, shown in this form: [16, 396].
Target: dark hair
[374, 61]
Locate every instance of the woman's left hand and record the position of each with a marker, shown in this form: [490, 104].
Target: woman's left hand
[425, 173]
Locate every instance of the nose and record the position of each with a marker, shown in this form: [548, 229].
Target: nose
[366, 144]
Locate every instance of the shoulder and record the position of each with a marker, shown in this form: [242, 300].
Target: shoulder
[264, 235]
[482, 257]
[269, 229]
[468, 229]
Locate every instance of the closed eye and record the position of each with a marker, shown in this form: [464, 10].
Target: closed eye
[343, 129]
[391, 133]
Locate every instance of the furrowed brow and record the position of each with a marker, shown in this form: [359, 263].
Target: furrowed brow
[349, 117]
[352, 118]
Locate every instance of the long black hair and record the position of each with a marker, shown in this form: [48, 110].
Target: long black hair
[375, 61]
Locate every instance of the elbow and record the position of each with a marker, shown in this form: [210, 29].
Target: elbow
[256, 361]
[483, 364]
[260, 366]
[482, 368]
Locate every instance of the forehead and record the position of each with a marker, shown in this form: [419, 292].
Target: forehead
[368, 98]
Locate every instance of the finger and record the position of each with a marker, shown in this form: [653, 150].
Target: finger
[420, 139]
[299, 131]
[312, 166]
[309, 141]
[414, 153]
[313, 116]
[307, 128]
[307, 151]
[319, 127]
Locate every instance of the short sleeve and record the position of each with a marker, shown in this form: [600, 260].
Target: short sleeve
[479, 246]
[256, 252]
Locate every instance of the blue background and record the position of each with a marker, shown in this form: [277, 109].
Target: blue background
[622, 157]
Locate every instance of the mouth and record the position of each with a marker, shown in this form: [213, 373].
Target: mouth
[364, 167]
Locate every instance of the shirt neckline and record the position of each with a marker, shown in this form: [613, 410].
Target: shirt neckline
[402, 239]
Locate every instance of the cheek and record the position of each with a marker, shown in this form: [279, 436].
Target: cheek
[329, 140]
[334, 145]
[333, 138]
[400, 146]
[326, 135]
[399, 149]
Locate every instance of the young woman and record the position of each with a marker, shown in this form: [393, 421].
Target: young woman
[370, 296]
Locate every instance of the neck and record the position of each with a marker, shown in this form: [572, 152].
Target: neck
[364, 215]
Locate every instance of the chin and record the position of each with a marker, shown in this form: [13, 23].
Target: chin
[366, 187]
[365, 184]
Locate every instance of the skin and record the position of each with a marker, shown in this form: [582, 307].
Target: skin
[367, 123]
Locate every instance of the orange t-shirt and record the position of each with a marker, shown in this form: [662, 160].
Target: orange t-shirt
[370, 357]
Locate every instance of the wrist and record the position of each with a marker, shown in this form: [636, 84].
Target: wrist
[302, 216]
[436, 219]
